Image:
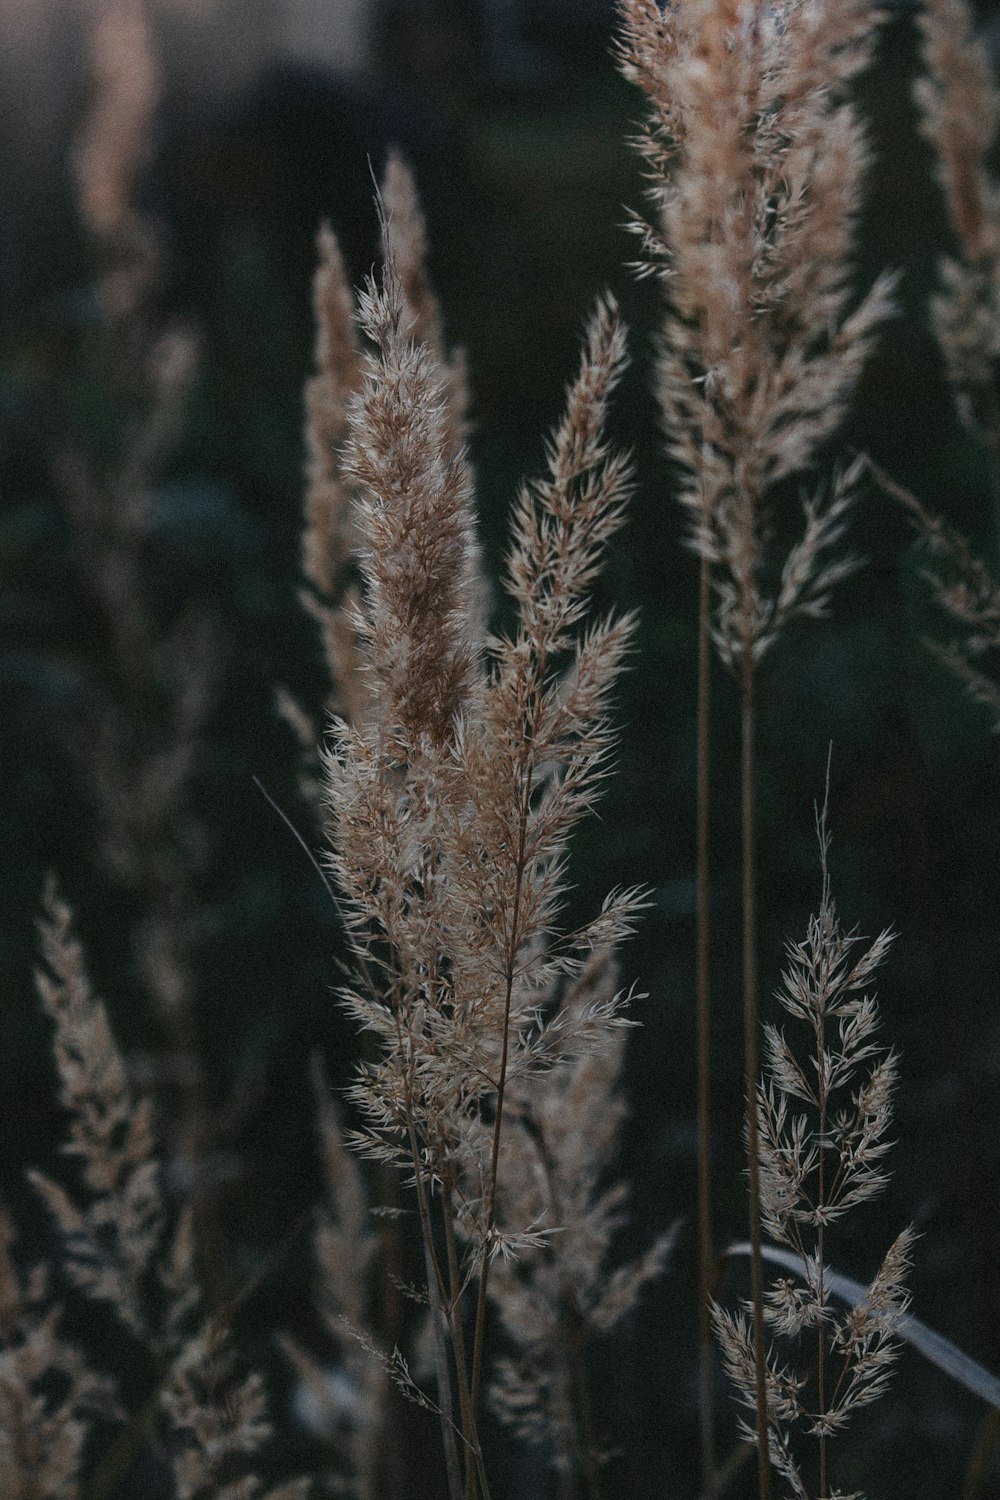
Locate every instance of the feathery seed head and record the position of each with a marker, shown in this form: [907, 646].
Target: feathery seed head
[756, 161]
[823, 1114]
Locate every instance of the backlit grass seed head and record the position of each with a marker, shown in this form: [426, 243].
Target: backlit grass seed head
[755, 164]
[824, 1109]
[452, 804]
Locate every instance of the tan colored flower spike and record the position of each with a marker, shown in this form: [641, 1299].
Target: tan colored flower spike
[823, 1111]
[450, 804]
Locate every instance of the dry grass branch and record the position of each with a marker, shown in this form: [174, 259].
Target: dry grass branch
[120, 1249]
[823, 1111]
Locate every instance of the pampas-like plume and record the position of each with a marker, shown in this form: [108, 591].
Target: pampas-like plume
[960, 108]
[111, 1243]
[966, 593]
[329, 538]
[756, 162]
[147, 719]
[452, 802]
[219, 1423]
[823, 1114]
[405, 239]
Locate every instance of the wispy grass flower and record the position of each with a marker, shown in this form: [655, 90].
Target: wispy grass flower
[49, 1396]
[451, 803]
[124, 1250]
[558, 1297]
[824, 1108]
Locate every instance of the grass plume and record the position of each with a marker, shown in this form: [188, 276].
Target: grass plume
[823, 1113]
[755, 160]
[451, 803]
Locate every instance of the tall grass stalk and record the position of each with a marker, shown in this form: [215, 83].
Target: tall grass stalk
[451, 799]
[823, 1116]
[959, 103]
[143, 743]
[755, 159]
[390, 493]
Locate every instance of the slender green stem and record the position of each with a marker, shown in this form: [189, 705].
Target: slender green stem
[706, 1398]
[750, 1039]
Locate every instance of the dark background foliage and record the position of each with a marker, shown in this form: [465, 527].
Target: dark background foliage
[516, 132]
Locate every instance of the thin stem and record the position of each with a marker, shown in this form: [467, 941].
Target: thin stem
[512, 951]
[468, 1411]
[443, 1378]
[706, 1397]
[750, 1040]
[435, 1280]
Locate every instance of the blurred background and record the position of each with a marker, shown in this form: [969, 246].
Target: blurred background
[149, 612]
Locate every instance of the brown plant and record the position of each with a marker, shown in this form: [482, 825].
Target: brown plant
[451, 802]
[823, 1112]
[755, 159]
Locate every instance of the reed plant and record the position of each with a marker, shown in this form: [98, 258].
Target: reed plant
[125, 1251]
[822, 1121]
[756, 160]
[451, 800]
